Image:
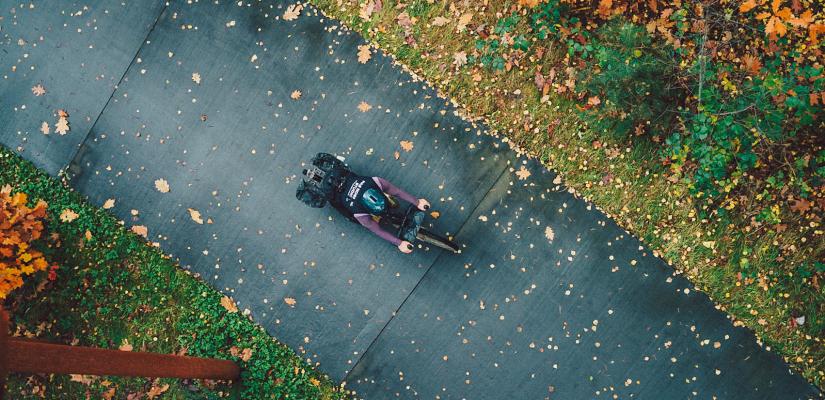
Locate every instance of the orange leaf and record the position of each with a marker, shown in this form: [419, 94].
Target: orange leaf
[747, 6]
[804, 20]
[604, 8]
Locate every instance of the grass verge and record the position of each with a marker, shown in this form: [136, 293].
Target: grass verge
[113, 289]
[765, 280]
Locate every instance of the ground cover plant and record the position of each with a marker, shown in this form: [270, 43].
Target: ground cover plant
[100, 285]
[698, 126]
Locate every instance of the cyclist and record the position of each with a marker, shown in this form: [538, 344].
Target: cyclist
[358, 197]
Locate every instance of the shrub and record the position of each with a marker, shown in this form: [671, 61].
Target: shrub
[19, 227]
[634, 81]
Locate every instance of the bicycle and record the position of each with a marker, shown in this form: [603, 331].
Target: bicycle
[409, 226]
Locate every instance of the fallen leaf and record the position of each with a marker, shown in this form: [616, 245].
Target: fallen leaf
[83, 379]
[594, 101]
[141, 230]
[396, 154]
[747, 6]
[62, 126]
[289, 301]
[156, 391]
[404, 20]
[528, 3]
[62, 113]
[38, 90]
[440, 21]
[435, 214]
[364, 106]
[246, 354]
[109, 394]
[366, 10]
[463, 20]
[196, 77]
[88, 235]
[296, 94]
[364, 54]
[108, 204]
[44, 127]
[460, 58]
[605, 7]
[407, 145]
[195, 215]
[801, 206]
[228, 304]
[125, 346]
[549, 234]
[293, 12]
[161, 185]
[68, 215]
[523, 173]
[557, 180]
[314, 382]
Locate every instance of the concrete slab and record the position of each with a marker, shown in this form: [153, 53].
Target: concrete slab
[77, 52]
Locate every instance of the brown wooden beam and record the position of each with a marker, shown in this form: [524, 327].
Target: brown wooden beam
[39, 357]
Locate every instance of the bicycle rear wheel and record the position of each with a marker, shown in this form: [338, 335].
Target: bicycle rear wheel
[436, 240]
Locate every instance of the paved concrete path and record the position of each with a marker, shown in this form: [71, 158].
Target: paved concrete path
[548, 299]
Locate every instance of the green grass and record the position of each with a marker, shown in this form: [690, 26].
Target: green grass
[639, 197]
[112, 286]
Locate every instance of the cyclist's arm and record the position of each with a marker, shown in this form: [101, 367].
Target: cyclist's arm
[369, 223]
[393, 190]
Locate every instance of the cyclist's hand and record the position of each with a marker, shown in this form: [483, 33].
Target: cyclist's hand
[405, 247]
[423, 204]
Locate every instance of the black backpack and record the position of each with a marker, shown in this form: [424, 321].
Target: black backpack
[322, 180]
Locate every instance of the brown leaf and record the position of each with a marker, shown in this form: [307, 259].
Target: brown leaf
[289, 301]
[195, 215]
[109, 394]
[800, 206]
[62, 126]
[364, 54]
[459, 58]
[228, 304]
[523, 173]
[246, 354]
[293, 12]
[296, 94]
[396, 154]
[109, 203]
[161, 185]
[140, 230]
[125, 346]
[605, 7]
[463, 20]
[404, 20]
[407, 145]
[44, 127]
[156, 391]
[68, 215]
[440, 21]
[38, 90]
[435, 214]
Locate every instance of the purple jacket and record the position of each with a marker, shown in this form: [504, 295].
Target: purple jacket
[366, 219]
